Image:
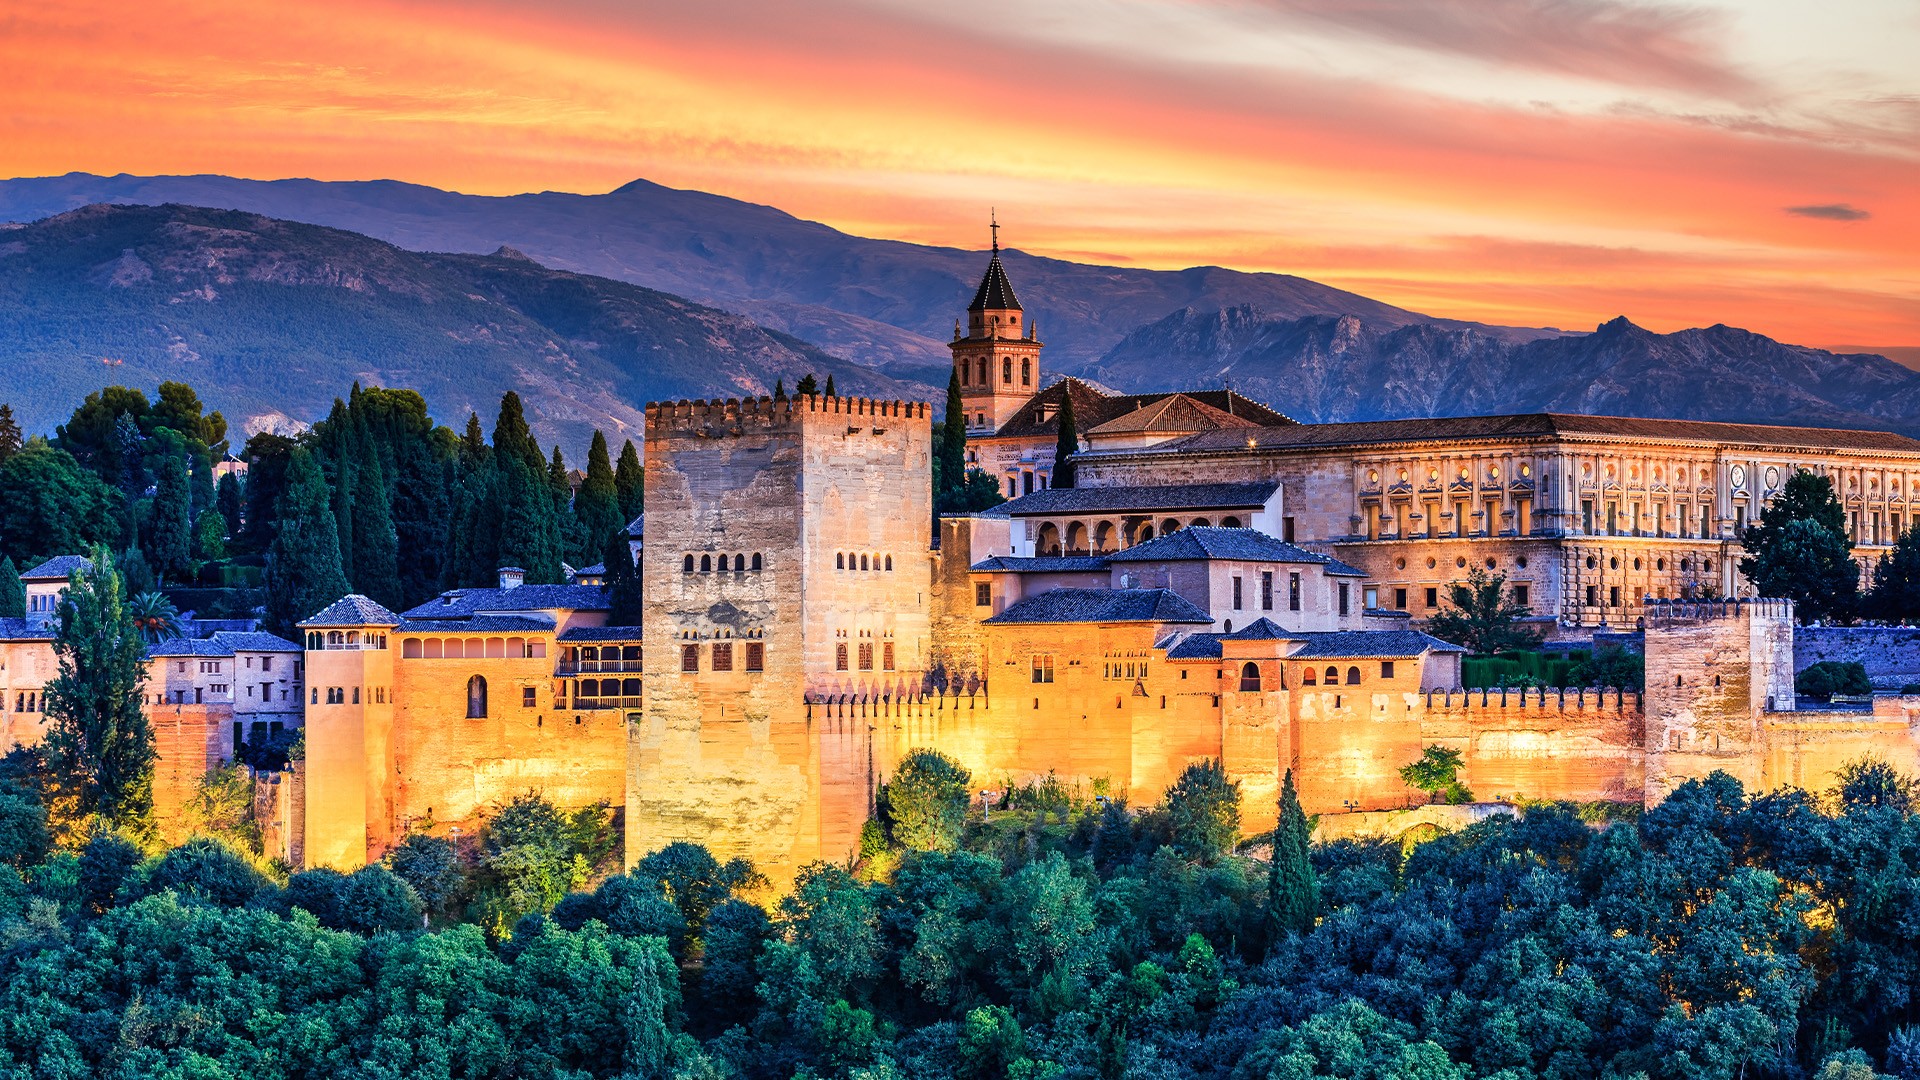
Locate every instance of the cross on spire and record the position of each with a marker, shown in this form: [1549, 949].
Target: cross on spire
[993, 216]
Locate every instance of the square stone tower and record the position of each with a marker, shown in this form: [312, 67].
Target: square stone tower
[787, 557]
[1715, 669]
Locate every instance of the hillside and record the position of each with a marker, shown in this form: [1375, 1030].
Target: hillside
[269, 317]
[1332, 369]
[879, 302]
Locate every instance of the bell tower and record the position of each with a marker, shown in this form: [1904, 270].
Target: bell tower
[998, 358]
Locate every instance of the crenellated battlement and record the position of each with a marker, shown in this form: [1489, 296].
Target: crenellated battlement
[1571, 701]
[1675, 612]
[710, 418]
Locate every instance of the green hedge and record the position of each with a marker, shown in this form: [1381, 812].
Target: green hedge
[1510, 669]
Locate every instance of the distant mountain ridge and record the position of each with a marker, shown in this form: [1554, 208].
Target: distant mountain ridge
[272, 318]
[771, 294]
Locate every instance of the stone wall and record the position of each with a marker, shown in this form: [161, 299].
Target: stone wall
[279, 806]
[1713, 670]
[188, 741]
[1891, 654]
[1584, 745]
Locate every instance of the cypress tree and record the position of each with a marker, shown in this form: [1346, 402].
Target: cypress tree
[830, 391]
[227, 500]
[168, 538]
[13, 591]
[953, 443]
[522, 504]
[623, 584]
[376, 554]
[96, 730]
[473, 445]
[630, 479]
[1293, 891]
[597, 505]
[779, 391]
[1067, 444]
[202, 484]
[511, 436]
[11, 439]
[303, 565]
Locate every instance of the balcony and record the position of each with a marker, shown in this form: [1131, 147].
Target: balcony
[597, 667]
[591, 704]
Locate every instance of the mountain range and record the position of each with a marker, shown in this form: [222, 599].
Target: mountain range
[592, 304]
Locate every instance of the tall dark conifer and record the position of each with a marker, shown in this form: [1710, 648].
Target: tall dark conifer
[13, 592]
[1067, 444]
[376, 554]
[596, 507]
[168, 537]
[303, 566]
[830, 391]
[1293, 890]
[227, 499]
[630, 479]
[953, 444]
[10, 438]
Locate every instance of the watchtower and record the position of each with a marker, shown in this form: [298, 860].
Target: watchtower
[1714, 669]
[349, 733]
[998, 357]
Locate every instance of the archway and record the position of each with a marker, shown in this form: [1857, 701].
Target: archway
[1048, 542]
[1077, 539]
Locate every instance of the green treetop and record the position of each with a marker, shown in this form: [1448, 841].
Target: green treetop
[13, 593]
[629, 479]
[807, 386]
[167, 538]
[1799, 550]
[1895, 596]
[303, 566]
[376, 545]
[596, 507]
[927, 801]
[97, 731]
[1482, 616]
[1292, 888]
[10, 437]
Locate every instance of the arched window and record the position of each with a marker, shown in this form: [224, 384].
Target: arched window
[476, 697]
[706, 564]
[1200, 523]
[889, 564]
[686, 567]
[1333, 676]
[739, 564]
[983, 371]
[316, 695]
[1229, 522]
[335, 637]
[1169, 527]
[863, 562]
[356, 695]
[1353, 676]
[1006, 369]
[1249, 678]
[757, 564]
[839, 560]
[1026, 372]
[1308, 678]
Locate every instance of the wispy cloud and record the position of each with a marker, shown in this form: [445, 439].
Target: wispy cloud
[1830, 212]
[1609, 40]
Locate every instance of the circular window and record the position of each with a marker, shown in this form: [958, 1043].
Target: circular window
[1461, 562]
[1773, 476]
[1463, 474]
[1399, 564]
[1521, 562]
[1431, 563]
[1526, 470]
[1636, 564]
[1686, 564]
[1656, 476]
[1433, 476]
[1403, 476]
[1493, 472]
[1586, 469]
[1591, 563]
[1609, 472]
[1491, 564]
[1613, 563]
[1634, 473]
[1659, 564]
[1739, 476]
[1373, 476]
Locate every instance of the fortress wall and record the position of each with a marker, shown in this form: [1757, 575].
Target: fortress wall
[957, 648]
[279, 805]
[1713, 669]
[1807, 749]
[188, 741]
[1350, 742]
[1581, 745]
[452, 769]
[1891, 654]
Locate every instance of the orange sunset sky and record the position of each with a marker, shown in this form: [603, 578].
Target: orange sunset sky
[1538, 162]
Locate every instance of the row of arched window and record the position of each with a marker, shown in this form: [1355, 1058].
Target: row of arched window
[345, 639]
[849, 560]
[740, 565]
[339, 695]
[1307, 677]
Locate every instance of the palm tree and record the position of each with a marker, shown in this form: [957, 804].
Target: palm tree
[155, 615]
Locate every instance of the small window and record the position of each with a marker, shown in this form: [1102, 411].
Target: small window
[889, 564]
[689, 658]
[706, 564]
[1308, 678]
[1250, 678]
[756, 656]
[757, 564]
[886, 656]
[1293, 592]
[686, 565]
[527, 699]
[723, 656]
[839, 560]
[863, 562]
[316, 697]
[356, 695]
[266, 663]
[866, 656]
[1400, 599]
[1236, 593]
[1386, 669]
[1433, 597]
[840, 656]
[1266, 590]
[1353, 676]
[1042, 667]
[1520, 595]
[1333, 676]
[476, 697]
[1593, 595]
[982, 595]
[1343, 598]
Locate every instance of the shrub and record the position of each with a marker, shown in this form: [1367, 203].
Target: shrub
[927, 801]
[1830, 677]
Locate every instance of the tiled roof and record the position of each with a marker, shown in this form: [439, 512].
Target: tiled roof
[21, 630]
[1121, 499]
[600, 633]
[224, 643]
[1103, 605]
[1522, 425]
[189, 647]
[1261, 629]
[637, 528]
[598, 569]
[479, 624]
[353, 610]
[58, 568]
[462, 603]
[1044, 564]
[1174, 414]
[1365, 644]
[1196, 647]
[996, 292]
[1213, 542]
[1094, 407]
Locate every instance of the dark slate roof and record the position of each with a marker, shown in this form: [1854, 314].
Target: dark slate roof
[1543, 425]
[463, 603]
[1196, 647]
[1094, 407]
[224, 643]
[637, 528]
[1261, 629]
[1203, 542]
[1365, 644]
[600, 633]
[479, 624]
[1103, 605]
[1180, 414]
[1044, 564]
[598, 569]
[21, 630]
[58, 568]
[996, 292]
[1121, 499]
[353, 610]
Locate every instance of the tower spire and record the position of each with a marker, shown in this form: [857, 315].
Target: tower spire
[993, 216]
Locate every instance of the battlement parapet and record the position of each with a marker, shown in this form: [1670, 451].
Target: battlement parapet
[734, 416]
[1582, 701]
[883, 707]
[1678, 612]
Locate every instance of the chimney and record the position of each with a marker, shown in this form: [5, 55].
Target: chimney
[512, 577]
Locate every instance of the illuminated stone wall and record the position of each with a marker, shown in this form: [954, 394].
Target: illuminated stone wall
[1543, 744]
